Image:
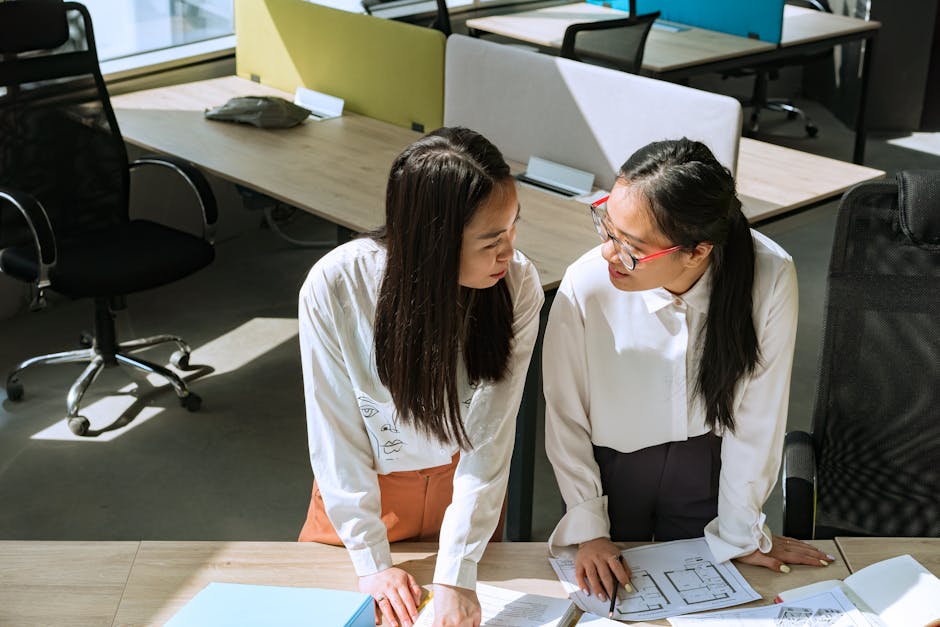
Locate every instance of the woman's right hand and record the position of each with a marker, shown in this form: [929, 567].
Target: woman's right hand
[397, 595]
[598, 565]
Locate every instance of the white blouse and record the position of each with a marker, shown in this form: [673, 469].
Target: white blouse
[620, 369]
[354, 431]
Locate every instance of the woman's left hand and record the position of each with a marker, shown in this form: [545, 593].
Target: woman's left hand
[787, 551]
[456, 607]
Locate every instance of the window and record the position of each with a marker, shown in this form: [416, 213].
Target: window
[124, 28]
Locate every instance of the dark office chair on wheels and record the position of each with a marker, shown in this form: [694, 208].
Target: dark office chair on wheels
[64, 186]
[440, 22]
[763, 74]
[871, 465]
[615, 43]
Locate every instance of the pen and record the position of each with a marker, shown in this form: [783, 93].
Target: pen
[613, 601]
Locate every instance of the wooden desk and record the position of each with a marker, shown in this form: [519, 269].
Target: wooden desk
[677, 55]
[337, 169]
[145, 583]
[861, 552]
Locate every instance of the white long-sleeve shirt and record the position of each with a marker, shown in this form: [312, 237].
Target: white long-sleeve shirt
[355, 433]
[620, 369]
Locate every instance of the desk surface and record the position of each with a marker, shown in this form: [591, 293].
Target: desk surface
[144, 583]
[861, 552]
[667, 50]
[337, 169]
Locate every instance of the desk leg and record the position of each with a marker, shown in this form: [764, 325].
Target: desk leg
[522, 467]
[858, 156]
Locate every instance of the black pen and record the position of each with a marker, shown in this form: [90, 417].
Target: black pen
[613, 601]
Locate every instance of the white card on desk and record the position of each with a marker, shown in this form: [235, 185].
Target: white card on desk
[322, 106]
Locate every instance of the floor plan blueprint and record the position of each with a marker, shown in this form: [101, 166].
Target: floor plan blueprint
[669, 579]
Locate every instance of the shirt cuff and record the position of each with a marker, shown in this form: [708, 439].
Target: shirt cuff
[585, 521]
[371, 559]
[455, 571]
[726, 544]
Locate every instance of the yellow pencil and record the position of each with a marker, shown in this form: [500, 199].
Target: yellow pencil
[425, 602]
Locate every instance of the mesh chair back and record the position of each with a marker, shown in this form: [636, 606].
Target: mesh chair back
[59, 140]
[616, 43]
[876, 423]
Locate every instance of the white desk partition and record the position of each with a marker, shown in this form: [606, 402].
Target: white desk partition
[579, 115]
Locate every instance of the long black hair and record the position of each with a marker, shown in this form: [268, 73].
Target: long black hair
[424, 320]
[693, 200]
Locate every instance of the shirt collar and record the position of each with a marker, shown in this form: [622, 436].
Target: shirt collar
[697, 297]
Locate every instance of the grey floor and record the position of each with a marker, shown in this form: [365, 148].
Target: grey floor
[238, 469]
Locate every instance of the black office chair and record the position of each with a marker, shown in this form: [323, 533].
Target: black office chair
[872, 463]
[615, 43]
[765, 73]
[441, 20]
[64, 173]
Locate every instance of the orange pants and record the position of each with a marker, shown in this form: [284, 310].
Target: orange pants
[413, 505]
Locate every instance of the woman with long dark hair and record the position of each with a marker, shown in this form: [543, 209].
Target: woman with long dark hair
[415, 341]
[667, 365]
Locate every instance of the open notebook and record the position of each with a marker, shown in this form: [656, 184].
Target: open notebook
[896, 592]
[508, 608]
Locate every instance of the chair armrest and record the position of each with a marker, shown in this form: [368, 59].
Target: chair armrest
[196, 181]
[39, 225]
[799, 485]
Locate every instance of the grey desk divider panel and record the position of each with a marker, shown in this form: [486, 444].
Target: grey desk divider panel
[579, 115]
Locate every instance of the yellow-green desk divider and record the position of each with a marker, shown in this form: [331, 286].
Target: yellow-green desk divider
[383, 69]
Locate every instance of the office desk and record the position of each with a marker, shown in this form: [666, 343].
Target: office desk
[146, 583]
[861, 552]
[337, 169]
[677, 55]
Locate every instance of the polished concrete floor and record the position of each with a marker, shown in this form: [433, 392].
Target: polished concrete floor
[238, 469]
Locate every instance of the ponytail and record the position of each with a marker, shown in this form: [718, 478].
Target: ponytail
[693, 200]
[730, 350]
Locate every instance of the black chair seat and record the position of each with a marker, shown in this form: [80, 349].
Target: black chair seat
[149, 254]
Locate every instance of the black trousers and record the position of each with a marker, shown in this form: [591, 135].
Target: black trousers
[663, 492]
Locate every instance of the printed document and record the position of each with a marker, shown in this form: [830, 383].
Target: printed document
[668, 579]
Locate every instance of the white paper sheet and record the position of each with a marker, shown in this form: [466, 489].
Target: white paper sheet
[669, 579]
[826, 609]
[508, 608]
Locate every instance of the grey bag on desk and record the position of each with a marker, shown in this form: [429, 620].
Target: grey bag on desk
[260, 111]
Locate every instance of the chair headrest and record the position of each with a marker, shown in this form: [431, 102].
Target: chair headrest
[919, 206]
[32, 25]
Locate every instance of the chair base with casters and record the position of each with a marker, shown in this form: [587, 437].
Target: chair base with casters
[105, 352]
[759, 101]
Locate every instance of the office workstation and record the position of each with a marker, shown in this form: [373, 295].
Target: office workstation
[675, 54]
[336, 170]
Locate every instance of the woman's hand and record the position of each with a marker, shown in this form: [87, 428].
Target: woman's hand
[598, 567]
[456, 607]
[787, 551]
[396, 594]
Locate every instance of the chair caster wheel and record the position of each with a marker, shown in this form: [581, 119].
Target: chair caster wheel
[78, 425]
[191, 401]
[15, 390]
[86, 340]
[180, 360]
[812, 130]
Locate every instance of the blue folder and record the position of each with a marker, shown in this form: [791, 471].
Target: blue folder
[241, 605]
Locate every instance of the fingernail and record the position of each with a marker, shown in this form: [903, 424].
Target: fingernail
[784, 568]
[830, 558]
[585, 591]
[628, 587]
[824, 562]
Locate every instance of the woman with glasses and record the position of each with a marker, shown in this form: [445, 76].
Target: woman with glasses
[666, 365]
[415, 341]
